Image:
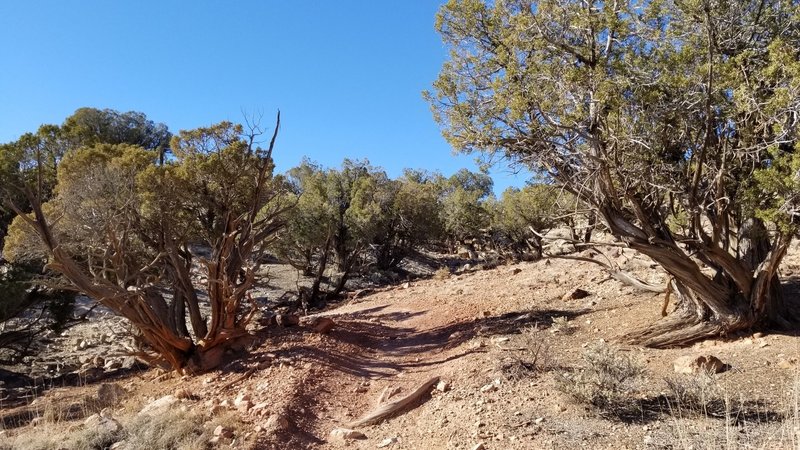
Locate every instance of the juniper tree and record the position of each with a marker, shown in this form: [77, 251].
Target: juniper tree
[675, 120]
[121, 228]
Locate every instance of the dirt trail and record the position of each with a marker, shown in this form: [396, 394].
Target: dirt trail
[399, 338]
[484, 333]
[379, 349]
[499, 338]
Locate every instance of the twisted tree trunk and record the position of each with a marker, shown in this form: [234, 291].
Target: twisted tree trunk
[741, 293]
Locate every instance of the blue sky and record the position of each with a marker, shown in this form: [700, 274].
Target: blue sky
[346, 75]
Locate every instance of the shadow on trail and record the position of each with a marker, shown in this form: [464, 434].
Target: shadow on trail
[398, 340]
[387, 348]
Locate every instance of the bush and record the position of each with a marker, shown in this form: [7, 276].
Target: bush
[533, 358]
[175, 430]
[607, 382]
[698, 394]
[562, 325]
[441, 273]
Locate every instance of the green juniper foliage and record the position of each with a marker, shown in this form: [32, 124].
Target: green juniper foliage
[675, 120]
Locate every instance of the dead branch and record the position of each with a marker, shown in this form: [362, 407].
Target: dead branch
[388, 392]
[395, 407]
[619, 275]
[236, 380]
[576, 242]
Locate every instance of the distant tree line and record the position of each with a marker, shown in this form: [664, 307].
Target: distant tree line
[115, 207]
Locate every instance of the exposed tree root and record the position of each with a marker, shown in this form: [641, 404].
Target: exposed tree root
[675, 332]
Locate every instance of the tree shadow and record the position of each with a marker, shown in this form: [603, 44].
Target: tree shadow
[626, 408]
[385, 349]
[654, 409]
[790, 288]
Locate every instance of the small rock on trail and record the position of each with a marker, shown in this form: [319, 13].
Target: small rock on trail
[346, 434]
[694, 364]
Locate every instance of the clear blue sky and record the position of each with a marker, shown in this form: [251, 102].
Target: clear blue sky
[346, 75]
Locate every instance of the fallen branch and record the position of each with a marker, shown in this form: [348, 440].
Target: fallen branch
[619, 275]
[244, 376]
[510, 349]
[388, 392]
[629, 279]
[395, 407]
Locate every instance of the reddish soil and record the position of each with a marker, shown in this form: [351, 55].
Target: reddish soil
[492, 329]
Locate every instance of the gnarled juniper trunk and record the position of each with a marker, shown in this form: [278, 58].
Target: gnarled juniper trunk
[737, 289]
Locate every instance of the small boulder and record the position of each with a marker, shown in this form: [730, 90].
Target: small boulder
[695, 364]
[321, 325]
[275, 423]
[346, 434]
[101, 423]
[514, 271]
[162, 404]
[260, 409]
[112, 364]
[223, 432]
[129, 362]
[443, 386]
[387, 442]
[287, 320]
[244, 407]
[789, 363]
[241, 398]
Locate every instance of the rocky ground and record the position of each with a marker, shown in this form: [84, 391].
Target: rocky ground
[501, 355]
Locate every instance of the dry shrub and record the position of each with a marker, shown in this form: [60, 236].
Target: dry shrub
[607, 381]
[442, 273]
[530, 359]
[716, 422]
[174, 429]
[92, 439]
[52, 436]
[697, 394]
[562, 325]
[56, 411]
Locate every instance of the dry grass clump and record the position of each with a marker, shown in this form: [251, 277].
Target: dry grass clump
[697, 394]
[441, 273]
[716, 422]
[90, 439]
[562, 325]
[174, 429]
[56, 436]
[607, 381]
[531, 358]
